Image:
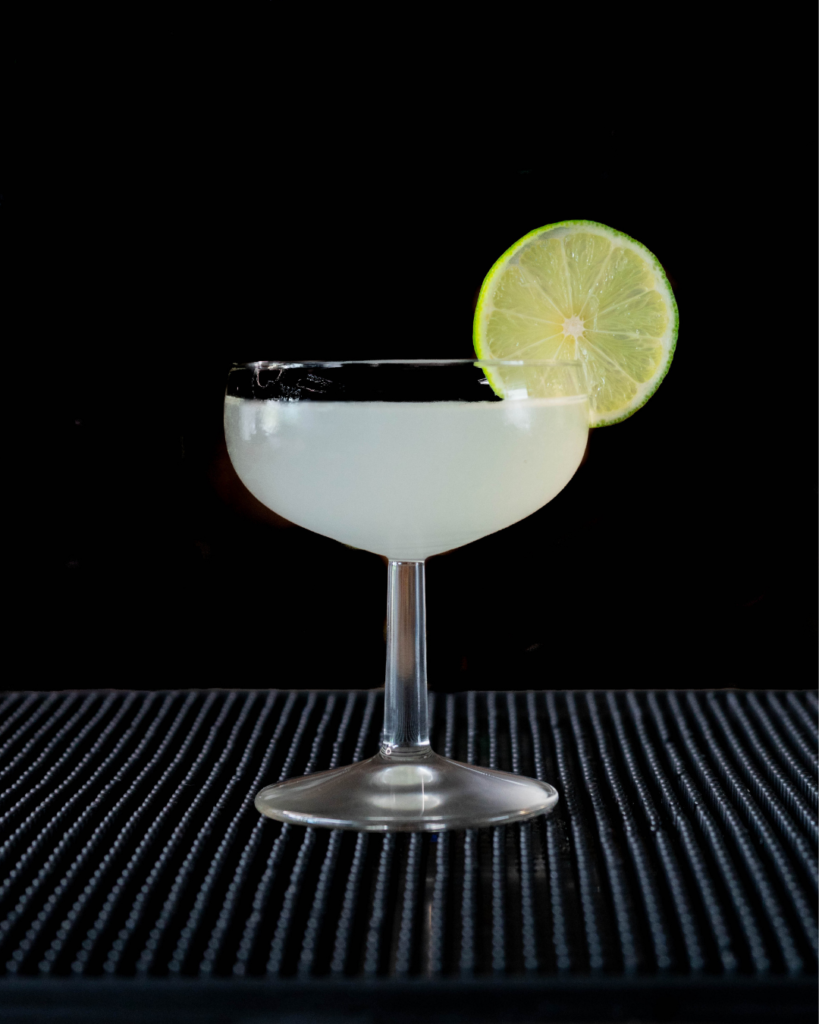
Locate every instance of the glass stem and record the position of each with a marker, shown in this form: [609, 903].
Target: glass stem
[406, 729]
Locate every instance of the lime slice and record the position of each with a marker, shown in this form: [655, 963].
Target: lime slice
[580, 290]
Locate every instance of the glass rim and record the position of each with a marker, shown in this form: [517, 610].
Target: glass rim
[286, 364]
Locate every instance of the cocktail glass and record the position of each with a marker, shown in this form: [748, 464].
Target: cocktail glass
[407, 460]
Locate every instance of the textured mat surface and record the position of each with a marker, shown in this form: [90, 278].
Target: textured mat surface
[681, 859]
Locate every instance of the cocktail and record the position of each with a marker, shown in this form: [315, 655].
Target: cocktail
[406, 459]
[409, 459]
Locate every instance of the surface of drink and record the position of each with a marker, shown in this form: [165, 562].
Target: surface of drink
[406, 479]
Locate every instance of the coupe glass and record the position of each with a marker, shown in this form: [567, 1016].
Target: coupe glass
[407, 460]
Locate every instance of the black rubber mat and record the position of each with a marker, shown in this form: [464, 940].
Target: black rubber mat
[677, 879]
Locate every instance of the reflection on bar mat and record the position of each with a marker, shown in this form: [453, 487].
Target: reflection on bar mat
[677, 879]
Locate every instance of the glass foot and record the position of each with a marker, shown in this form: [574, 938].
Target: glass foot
[421, 792]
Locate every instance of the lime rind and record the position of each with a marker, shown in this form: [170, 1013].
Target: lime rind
[560, 229]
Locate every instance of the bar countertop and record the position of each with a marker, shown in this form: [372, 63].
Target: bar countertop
[676, 881]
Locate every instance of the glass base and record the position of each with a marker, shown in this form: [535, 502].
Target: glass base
[419, 792]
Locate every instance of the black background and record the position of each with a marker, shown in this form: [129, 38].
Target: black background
[231, 211]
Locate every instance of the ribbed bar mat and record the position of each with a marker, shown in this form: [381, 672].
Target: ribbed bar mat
[677, 879]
